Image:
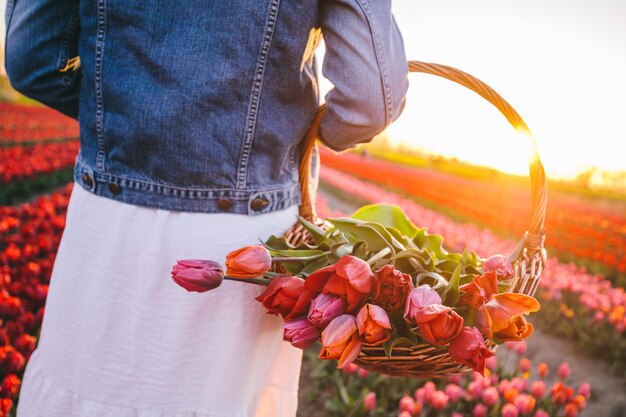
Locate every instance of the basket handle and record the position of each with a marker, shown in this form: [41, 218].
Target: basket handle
[535, 235]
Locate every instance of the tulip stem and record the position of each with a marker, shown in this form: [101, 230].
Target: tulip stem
[298, 258]
[258, 280]
[379, 255]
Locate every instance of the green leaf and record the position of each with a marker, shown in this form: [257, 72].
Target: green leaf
[390, 344]
[318, 234]
[435, 280]
[451, 294]
[363, 231]
[387, 215]
[360, 250]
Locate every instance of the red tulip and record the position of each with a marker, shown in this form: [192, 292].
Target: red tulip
[350, 278]
[373, 324]
[438, 324]
[340, 340]
[197, 275]
[469, 348]
[391, 288]
[10, 385]
[248, 262]
[300, 332]
[324, 308]
[287, 296]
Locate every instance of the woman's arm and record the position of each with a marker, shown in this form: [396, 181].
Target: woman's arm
[365, 61]
[41, 51]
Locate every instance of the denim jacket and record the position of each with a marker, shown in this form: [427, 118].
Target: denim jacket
[202, 105]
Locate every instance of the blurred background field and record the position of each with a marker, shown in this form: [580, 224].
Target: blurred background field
[453, 164]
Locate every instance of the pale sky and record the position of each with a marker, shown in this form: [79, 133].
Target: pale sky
[560, 63]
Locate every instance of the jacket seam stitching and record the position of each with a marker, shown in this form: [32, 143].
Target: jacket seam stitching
[100, 38]
[255, 98]
[380, 59]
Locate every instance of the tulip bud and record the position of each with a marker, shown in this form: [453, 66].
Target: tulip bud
[326, 307]
[563, 371]
[490, 396]
[248, 262]
[538, 389]
[585, 390]
[438, 400]
[480, 410]
[541, 413]
[300, 332]
[369, 402]
[197, 275]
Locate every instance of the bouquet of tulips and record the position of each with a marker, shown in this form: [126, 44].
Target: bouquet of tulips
[375, 278]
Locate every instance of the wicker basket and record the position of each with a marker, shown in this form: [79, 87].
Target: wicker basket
[425, 360]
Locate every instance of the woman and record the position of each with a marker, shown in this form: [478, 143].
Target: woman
[191, 116]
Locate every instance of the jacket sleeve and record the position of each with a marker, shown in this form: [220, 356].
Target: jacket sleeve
[41, 51]
[366, 63]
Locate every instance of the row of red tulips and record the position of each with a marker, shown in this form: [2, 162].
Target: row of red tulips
[577, 227]
[578, 296]
[22, 162]
[33, 124]
[29, 237]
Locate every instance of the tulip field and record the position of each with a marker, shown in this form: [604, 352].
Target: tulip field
[583, 310]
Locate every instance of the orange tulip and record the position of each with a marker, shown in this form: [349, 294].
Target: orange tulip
[504, 308]
[340, 340]
[518, 329]
[248, 262]
[438, 324]
[373, 324]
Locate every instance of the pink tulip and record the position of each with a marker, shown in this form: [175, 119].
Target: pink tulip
[404, 414]
[521, 348]
[373, 324]
[492, 363]
[429, 388]
[563, 371]
[541, 413]
[197, 275]
[519, 384]
[350, 368]
[457, 414]
[324, 308]
[500, 265]
[362, 373]
[585, 390]
[509, 410]
[340, 340]
[454, 392]
[369, 402]
[419, 298]
[438, 400]
[420, 395]
[455, 379]
[407, 404]
[480, 410]
[524, 364]
[475, 388]
[538, 389]
[525, 403]
[490, 396]
[300, 332]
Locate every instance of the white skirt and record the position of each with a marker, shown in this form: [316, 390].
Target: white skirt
[120, 338]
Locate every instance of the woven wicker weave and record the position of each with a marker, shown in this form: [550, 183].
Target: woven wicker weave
[425, 360]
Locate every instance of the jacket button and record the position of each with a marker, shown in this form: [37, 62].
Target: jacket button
[224, 204]
[115, 188]
[87, 179]
[259, 204]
